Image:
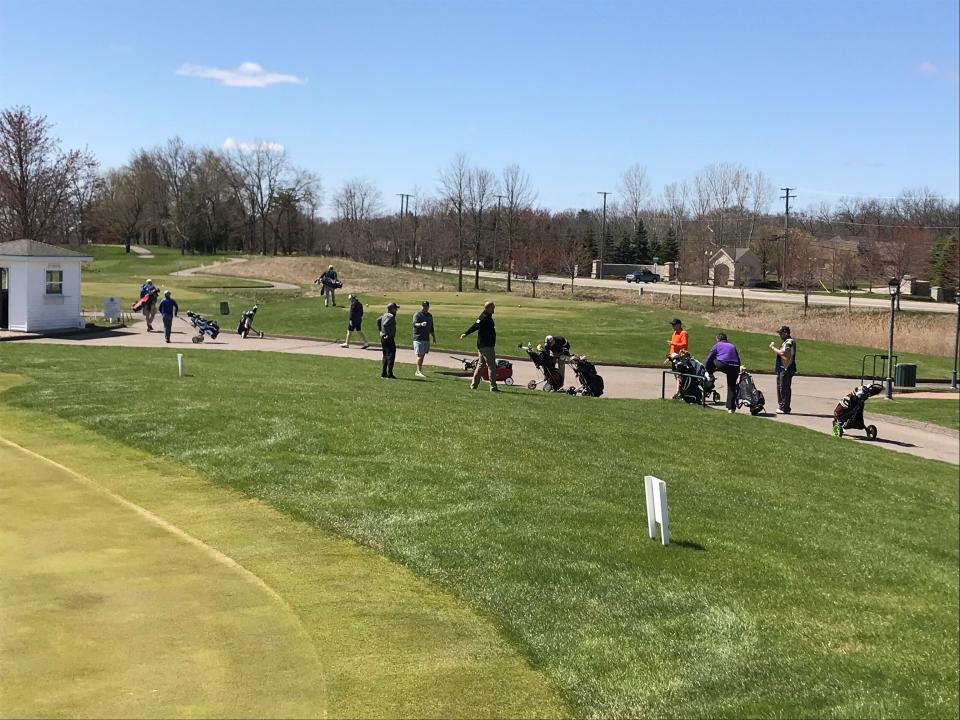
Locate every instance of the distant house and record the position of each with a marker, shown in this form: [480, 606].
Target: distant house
[39, 287]
[734, 267]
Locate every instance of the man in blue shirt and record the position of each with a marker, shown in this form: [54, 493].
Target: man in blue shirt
[723, 356]
[168, 308]
[422, 332]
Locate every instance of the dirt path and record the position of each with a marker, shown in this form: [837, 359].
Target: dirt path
[813, 398]
[202, 270]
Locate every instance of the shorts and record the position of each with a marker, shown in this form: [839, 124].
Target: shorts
[421, 347]
[354, 326]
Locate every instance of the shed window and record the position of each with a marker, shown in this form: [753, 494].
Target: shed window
[54, 282]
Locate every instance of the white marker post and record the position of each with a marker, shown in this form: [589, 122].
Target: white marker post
[657, 507]
[180, 364]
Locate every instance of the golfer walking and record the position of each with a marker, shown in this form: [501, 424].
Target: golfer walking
[355, 322]
[387, 324]
[486, 346]
[786, 368]
[422, 332]
[168, 309]
[329, 283]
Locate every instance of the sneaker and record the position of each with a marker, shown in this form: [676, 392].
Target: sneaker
[731, 411]
[345, 345]
[494, 388]
[365, 346]
[419, 374]
[781, 411]
[392, 377]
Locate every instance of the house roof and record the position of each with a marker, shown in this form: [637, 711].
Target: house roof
[735, 254]
[34, 248]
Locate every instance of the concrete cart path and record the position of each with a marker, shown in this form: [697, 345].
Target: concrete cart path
[813, 397]
[272, 284]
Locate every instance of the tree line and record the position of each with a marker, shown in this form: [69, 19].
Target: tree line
[251, 198]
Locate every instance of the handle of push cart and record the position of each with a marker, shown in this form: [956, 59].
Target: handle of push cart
[663, 383]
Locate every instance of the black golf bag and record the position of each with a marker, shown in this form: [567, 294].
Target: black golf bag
[696, 384]
[246, 323]
[545, 364]
[848, 414]
[747, 393]
[591, 383]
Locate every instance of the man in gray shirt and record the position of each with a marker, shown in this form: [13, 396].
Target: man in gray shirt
[422, 332]
[387, 324]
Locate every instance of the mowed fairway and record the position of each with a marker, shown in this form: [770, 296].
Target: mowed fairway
[806, 577]
[211, 604]
[106, 613]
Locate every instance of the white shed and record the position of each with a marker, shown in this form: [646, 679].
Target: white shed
[39, 287]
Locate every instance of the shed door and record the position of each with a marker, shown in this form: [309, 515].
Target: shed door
[4, 299]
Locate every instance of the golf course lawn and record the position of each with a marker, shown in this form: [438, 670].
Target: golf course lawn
[605, 331]
[804, 577]
[945, 412]
[209, 604]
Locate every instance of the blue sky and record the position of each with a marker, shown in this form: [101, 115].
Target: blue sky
[856, 98]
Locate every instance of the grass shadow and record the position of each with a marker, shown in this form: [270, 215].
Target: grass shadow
[688, 544]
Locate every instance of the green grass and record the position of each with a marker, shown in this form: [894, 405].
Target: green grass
[608, 332]
[109, 615]
[114, 272]
[944, 412]
[807, 577]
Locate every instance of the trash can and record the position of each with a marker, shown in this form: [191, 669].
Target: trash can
[225, 310]
[905, 375]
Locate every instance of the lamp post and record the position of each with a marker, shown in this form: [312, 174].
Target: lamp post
[956, 344]
[894, 287]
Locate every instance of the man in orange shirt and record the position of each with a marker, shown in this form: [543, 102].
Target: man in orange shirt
[679, 342]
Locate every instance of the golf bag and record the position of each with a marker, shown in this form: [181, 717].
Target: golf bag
[548, 368]
[696, 384]
[145, 299]
[246, 324]
[591, 383]
[848, 414]
[747, 393]
[205, 328]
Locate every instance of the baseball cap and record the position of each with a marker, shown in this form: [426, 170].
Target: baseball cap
[784, 329]
[676, 321]
[393, 305]
[425, 303]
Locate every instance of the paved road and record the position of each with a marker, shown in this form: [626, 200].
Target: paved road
[814, 398]
[749, 293]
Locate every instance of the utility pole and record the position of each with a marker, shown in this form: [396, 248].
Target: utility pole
[786, 231]
[404, 207]
[603, 234]
[496, 230]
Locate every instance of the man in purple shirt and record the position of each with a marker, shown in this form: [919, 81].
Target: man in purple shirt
[724, 357]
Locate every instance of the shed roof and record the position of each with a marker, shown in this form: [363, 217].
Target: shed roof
[34, 248]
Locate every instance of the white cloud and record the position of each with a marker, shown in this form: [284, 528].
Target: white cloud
[231, 144]
[247, 74]
[927, 67]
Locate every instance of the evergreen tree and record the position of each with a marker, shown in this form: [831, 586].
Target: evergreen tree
[655, 248]
[945, 262]
[623, 253]
[669, 250]
[641, 248]
[590, 242]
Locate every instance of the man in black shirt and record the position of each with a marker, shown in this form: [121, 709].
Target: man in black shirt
[486, 346]
[558, 350]
[387, 324]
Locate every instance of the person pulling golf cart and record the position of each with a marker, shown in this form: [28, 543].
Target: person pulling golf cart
[246, 324]
[205, 328]
[848, 414]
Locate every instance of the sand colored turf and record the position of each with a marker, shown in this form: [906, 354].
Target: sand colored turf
[108, 613]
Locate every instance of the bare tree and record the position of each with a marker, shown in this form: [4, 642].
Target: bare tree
[356, 204]
[571, 256]
[453, 186]
[806, 262]
[481, 189]
[518, 198]
[261, 166]
[36, 178]
[634, 192]
[122, 201]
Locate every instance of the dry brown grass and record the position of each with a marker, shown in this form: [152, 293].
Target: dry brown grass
[915, 332]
